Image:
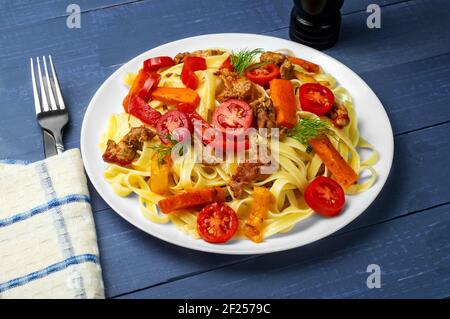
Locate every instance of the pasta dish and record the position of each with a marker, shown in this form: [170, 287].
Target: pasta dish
[233, 145]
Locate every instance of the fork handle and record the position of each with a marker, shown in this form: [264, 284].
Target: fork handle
[59, 143]
[59, 148]
[49, 144]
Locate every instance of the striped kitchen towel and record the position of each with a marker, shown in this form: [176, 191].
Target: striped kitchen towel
[48, 243]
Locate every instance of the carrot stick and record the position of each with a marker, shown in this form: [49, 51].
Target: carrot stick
[342, 172]
[175, 96]
[308, 66]
[192, 199]
[283, 98]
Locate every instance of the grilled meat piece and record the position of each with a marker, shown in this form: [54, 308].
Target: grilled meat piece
[339, 115]
[287, 70]
[120, 153]
[272, 58]
[245, 174]
[236, 86]
[280, 60]
[179, 58]
[264, 113]
[137, 136]
[124, 152]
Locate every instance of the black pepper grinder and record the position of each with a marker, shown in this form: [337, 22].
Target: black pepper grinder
[316, 23]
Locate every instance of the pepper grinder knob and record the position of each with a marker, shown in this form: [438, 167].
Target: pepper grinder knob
[316, 23]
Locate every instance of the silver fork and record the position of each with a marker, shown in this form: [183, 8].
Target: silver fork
[51, 111]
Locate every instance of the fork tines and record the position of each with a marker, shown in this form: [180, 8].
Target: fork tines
[47, 94]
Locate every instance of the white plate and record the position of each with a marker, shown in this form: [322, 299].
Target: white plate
[373, 123]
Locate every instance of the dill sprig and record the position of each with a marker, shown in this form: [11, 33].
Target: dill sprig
[243, 59]
[162, 150]
[306, 129]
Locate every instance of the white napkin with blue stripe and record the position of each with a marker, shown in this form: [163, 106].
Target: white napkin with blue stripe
[48, 243]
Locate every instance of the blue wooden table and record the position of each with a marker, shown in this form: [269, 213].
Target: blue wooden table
[406, 231]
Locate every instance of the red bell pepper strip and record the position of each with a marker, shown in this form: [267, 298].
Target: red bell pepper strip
[139, 108]
[156, 63]
[138, 83]
[192, 64]
[149, 85]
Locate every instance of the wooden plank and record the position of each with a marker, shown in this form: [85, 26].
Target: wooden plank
[203, 18]
[187, 20]
[34, 11]
[350, 7]
[413, 254]
[407, 34]
[14, 13]
[106, 30]
[417, 162]
[414, 92]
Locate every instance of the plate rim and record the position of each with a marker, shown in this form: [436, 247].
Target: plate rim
[213, 248]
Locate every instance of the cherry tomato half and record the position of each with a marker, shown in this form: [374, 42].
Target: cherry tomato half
[233, 117]
[153, 64]
[316, 98]
[263, 74]
[217, 223]
[200, 128]
[173, 124]
[231, 145]
[325, 196]
[209, 135]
